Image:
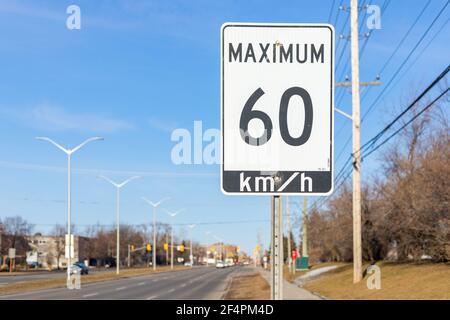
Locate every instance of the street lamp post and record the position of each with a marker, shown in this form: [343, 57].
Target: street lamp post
[172, 214]
[118, 187]
[69, 153]
[154, 206]
[191, 255]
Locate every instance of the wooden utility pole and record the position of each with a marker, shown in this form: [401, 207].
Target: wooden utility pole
[305, 228]
[167, 251]
[129, 257]
[289, 250]
[357, 254]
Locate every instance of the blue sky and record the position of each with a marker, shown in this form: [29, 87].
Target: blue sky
[135, 71]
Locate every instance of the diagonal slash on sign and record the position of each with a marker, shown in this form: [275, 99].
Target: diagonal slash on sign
[286, 183]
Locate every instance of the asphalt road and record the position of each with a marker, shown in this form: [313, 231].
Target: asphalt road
[196, 283]
[6, 279]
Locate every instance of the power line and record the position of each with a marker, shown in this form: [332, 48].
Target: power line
[338, 11]
[406, 124]
[331, 11]
[418, 56]
[390, 58]
[343, 175]
[405, 61]
[404, 37]
[369, 143]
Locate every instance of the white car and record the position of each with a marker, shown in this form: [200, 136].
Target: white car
[220, 265]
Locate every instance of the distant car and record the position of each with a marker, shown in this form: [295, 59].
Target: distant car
[220, 264]
[188, 264]
[80, 267]
[246, 263]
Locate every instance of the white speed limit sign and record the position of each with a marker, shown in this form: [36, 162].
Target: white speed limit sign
[277, 108]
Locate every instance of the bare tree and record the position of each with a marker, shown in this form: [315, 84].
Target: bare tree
[59, 232]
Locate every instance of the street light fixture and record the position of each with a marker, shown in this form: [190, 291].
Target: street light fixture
[69, 153]
[191, 254]
[172, 214]
[118, 187]
[154, 206]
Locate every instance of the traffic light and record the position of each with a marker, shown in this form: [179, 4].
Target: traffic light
[166, 246]
[238, 249]
[181, 248]
[149, 247]
[132, 247]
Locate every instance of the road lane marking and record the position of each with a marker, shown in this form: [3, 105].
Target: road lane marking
[90, 295]
[171, 290]
[155, 280]
[141, 283]
[183, 285]
[152, 297]
[120, 288]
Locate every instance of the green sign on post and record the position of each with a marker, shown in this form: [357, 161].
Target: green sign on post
[302, 263]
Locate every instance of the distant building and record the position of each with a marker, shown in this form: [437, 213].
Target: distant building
[221, 251]
[49, 251]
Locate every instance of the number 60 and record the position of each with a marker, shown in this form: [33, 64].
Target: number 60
[249, 114]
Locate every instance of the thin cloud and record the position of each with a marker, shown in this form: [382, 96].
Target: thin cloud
[52, 118]
[162, 125]
[84, 171]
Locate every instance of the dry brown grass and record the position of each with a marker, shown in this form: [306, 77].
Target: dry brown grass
[248, 287]
[398, 281]
[41, 284]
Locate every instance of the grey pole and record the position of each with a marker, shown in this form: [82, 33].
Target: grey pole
[69, 153]
[118, 230]
[288, 217]
[171, 245]
[154, 239]
[69, 213]
[118, 186]
[172, 215]
[277, 250]
[154, 206]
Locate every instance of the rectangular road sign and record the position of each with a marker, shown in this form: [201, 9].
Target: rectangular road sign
[277, 108]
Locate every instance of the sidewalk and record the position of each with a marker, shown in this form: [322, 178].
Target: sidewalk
[291, 291]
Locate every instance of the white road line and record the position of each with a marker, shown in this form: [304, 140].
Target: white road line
[152, 297]
[183, 285]
[171, 290]
[155, 280]
[141, 283]
[90, 295]
[120, 288]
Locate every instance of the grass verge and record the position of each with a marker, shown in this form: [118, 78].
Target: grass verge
[248, 287]
[398, 281]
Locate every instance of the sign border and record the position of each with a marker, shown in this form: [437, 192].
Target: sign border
[278, 25]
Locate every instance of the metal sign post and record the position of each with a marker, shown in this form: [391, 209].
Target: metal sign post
[276, 262]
